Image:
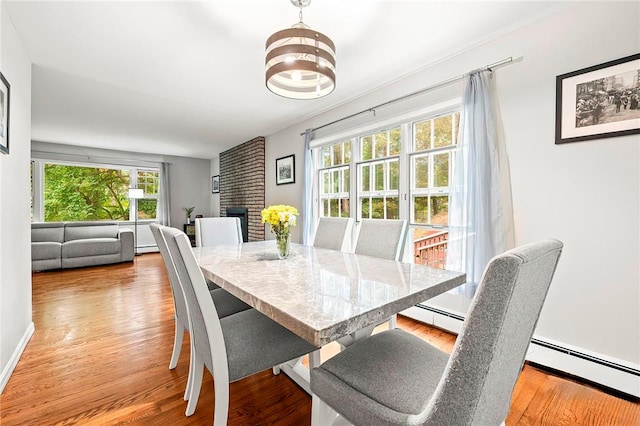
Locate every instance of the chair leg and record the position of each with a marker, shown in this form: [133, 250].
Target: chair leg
[177, 344]
[393, 322]
[321, 413]
[196, 383]
[221, 402]
[187, 390]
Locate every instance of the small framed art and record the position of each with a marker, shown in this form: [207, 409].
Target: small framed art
[286, 170]
[215, 184]
[5, 104]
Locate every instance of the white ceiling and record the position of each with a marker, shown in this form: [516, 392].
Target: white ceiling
[186, 78]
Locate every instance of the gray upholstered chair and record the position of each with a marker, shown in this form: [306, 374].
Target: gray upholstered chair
[333, 233]
[384, 239]
[226, 303]
[233, 347]
[213, 231]
[395, 378]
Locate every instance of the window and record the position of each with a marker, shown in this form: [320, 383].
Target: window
[335, 180]
[72, 192]
[378, 175]
[433, 145]
[148, 181]
[400, 172]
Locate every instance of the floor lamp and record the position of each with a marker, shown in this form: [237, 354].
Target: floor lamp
[135, 194]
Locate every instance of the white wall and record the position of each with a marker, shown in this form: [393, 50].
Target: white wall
[586, 194]
[15, 232]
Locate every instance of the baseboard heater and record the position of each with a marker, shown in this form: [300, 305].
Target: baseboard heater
[548, 345]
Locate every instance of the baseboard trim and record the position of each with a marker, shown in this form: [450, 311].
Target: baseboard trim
[13, 361]
[579, 364]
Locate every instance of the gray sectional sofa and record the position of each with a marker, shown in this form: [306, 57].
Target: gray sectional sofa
[56, 245]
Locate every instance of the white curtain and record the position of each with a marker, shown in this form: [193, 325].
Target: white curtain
[164, 203]
[480, 208]
[307, 202]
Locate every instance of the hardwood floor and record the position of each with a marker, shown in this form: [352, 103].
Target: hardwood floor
[101, 350]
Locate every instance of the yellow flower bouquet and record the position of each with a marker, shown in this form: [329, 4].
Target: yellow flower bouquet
[281, 218]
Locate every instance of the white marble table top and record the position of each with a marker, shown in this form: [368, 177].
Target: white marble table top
[321, 295]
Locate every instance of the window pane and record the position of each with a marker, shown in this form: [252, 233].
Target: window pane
[73, 193]
[430, 247]
[347, 152]
[441, 169]
[421, 171]
[394, 143]
[366, 184]
[325, 182]
[333, 207]
[325, 207]
[421, 209]
[337, 154]
[377, 208]
[335, 181]
[392, 208]
[149, 181]
[440, 210]
[381, 145]
[379, 176]
[442, 131]
[393, 175]
[366, 147]
[326, 156]
[344, 207]
[456, 127]
[365, 208]
[422, 135]
[147, 208]
[345, 180]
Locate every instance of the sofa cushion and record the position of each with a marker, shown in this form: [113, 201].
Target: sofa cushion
[47, 232]
[91, 247]
[45, 250]
[83, 230]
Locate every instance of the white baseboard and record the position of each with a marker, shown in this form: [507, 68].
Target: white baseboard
[13, 361]
[565, 358]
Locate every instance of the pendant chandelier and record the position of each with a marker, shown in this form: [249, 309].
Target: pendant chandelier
[300, 62]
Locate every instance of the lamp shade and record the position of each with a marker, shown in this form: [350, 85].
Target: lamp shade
[136, 193]
[300, 62]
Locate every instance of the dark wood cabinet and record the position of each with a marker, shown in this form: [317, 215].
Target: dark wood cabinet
[190, 230]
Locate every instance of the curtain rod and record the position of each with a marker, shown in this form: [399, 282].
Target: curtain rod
[492, 66]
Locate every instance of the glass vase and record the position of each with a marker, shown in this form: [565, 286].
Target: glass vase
[282, 243]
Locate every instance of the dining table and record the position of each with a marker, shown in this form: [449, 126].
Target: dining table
[319, 294]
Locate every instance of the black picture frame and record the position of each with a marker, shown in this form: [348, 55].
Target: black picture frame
[5, 109]
[215, 184]
[286, 170]
[601, 101]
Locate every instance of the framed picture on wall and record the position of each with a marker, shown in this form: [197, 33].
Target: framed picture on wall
[286, 170]
[5, 96]
[601, 101]
[215, 184]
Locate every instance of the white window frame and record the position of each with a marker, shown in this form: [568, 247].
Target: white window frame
[406, 183]
[38, 183]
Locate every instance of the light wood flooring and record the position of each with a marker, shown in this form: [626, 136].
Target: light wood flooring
[101, 350]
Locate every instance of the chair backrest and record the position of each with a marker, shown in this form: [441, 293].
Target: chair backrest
[333, 233]
[214, 231]
[488, 355]
[178, 297]
[206, 330]
[382, 238]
